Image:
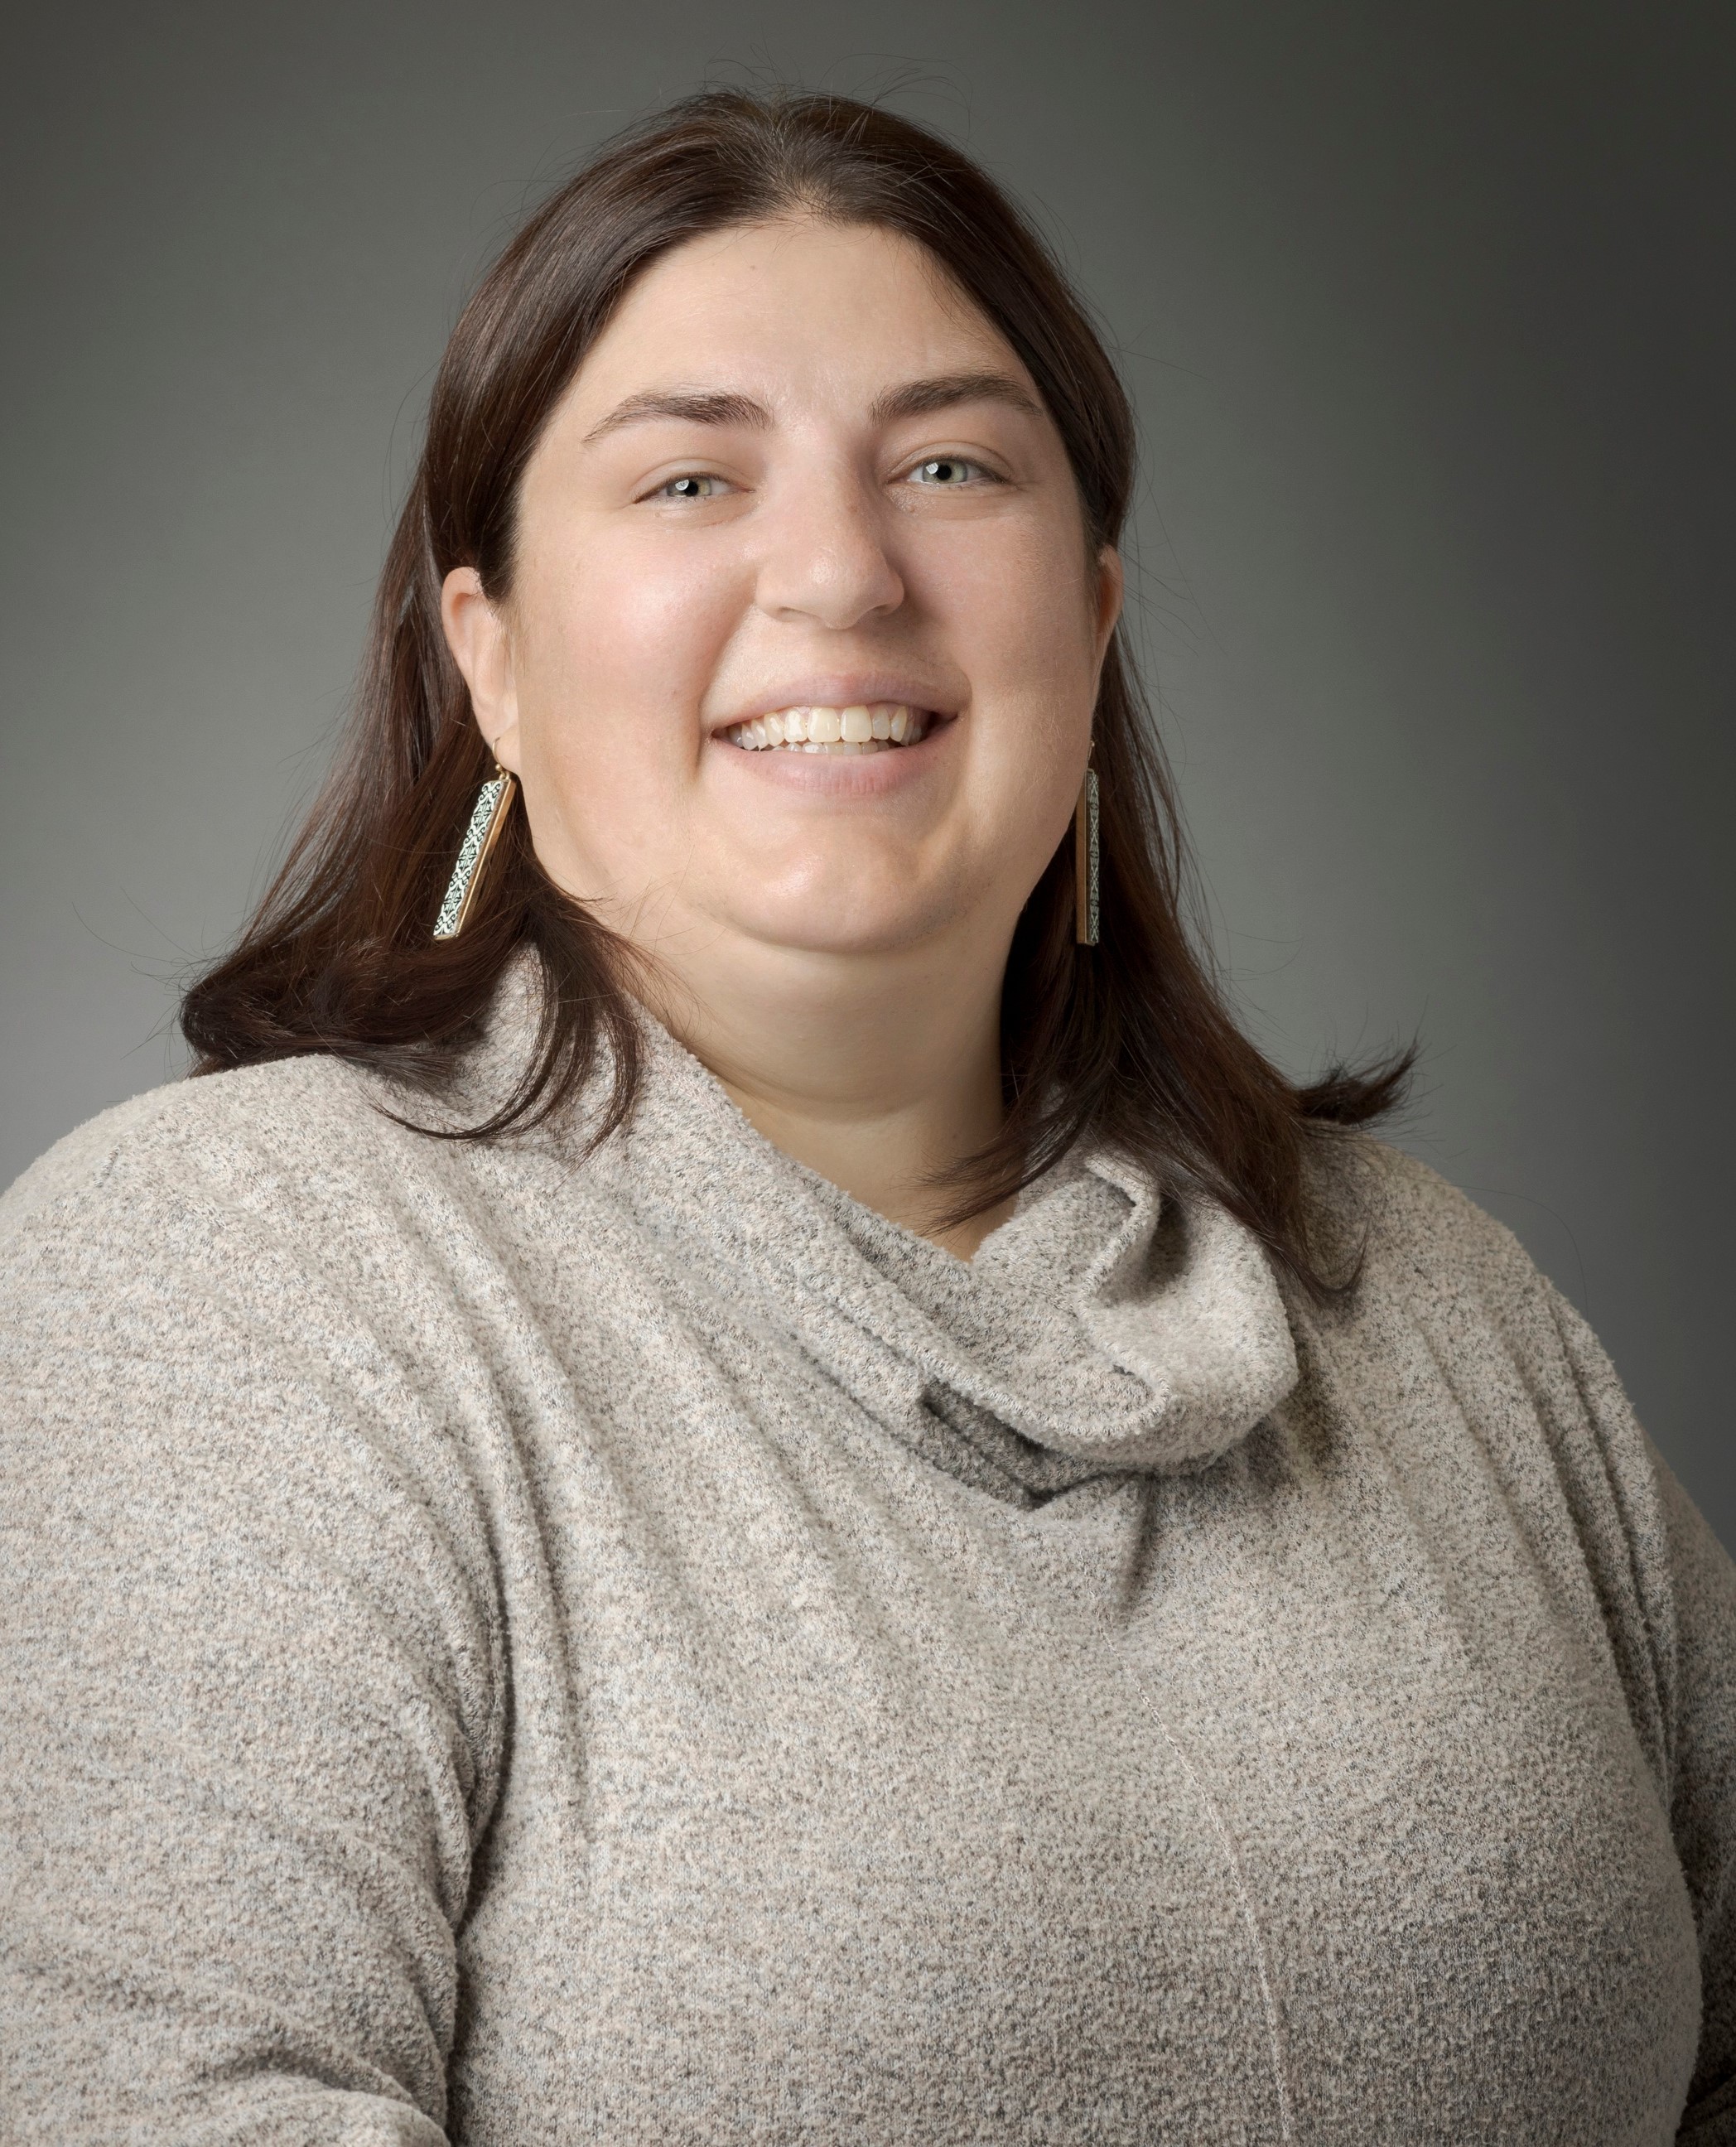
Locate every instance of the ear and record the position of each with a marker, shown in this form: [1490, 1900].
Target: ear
[476, 634]
[1111, 589]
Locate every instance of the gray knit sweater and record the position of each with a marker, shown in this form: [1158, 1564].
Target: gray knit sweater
[510, 1648]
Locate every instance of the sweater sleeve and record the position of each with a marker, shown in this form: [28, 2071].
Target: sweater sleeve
[249, 1687]
[1704, 1807]
[1600, 1499]
[1680, 1587]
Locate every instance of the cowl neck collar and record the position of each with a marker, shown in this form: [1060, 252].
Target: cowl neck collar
[1108, 1326]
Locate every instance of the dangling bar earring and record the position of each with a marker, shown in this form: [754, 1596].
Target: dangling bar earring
[1085, 861]
[494, 802]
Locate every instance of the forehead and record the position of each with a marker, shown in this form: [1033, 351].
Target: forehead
[790, 312]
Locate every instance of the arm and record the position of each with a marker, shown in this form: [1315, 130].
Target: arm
[1634, 1557]
[1680, 1588]
[249, 1693]
[1703, 1809]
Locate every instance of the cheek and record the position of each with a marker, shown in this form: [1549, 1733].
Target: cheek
[625, 645]
[614, 655]
[1021, 617]
[1030, 617]
[1020, 612]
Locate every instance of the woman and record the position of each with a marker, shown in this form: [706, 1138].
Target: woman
[740, 1474]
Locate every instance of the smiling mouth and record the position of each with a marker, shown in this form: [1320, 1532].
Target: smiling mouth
[880, 727]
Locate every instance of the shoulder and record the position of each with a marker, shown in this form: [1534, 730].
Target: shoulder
[222, 1426]
[1418, 1236]
[228, 1293]
[256, 1128]
[302, 1171]
[1473, 1365]
[1439, 1274]
[1449, 1305]
[306, 1212]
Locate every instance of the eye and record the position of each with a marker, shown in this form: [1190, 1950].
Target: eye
[691, 485]
[938, 471]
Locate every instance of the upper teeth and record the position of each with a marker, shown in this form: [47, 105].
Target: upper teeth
[859, 729]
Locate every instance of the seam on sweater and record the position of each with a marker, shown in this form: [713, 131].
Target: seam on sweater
[1650, 1575]
[1268, 1998]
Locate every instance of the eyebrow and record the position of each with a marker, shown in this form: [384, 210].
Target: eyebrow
[915, 398]
[693, 405]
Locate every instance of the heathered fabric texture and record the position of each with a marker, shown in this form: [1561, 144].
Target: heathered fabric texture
[507, 1648]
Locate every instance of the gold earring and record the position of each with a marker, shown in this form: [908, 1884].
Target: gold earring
[494, 802]
[1085, 863]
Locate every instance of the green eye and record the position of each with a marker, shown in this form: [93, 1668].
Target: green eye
[690, 488]
[946, 470]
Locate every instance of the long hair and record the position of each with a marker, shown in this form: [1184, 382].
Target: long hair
[1131, 1042]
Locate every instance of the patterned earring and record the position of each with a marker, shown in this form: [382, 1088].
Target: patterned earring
[494, 802]
[1085, 917]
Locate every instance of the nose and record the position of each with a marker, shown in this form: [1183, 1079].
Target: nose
[824, 556]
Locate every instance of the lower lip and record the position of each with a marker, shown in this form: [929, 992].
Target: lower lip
[842, 774]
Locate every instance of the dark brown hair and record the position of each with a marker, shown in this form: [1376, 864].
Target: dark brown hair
[1131, 1041]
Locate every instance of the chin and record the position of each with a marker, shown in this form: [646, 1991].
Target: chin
[838, 926]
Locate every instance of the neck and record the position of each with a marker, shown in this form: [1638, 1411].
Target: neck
[877, 1072]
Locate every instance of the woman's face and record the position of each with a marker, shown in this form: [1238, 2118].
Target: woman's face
[800, 478]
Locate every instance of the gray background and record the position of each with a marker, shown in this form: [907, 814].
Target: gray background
[1428, 311]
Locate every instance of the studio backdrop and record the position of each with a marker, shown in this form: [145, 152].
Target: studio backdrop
[1428, 312]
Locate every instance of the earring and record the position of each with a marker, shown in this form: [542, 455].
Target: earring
[1085, 863]
[494, 801]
